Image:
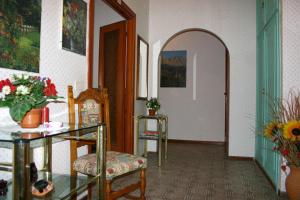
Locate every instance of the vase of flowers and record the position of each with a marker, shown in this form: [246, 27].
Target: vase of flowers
[284, 131]
[153, 106]
[25, 95]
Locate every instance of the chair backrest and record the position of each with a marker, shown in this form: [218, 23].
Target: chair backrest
[93, 107]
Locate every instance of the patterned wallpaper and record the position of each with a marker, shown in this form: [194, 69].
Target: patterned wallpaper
[290, 51]
[290, 45]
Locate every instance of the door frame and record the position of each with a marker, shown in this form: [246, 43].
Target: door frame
[227, 79]
[121, 8]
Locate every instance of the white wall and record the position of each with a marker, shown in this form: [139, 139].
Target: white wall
[234, 22]
[198, 109]
[104, 15]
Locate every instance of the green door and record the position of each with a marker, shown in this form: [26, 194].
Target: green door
[268, 82]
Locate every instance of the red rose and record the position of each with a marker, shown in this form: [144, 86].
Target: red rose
[7, 83]
[1, 85]
[285, 152]
[13, 88]
[50, 90]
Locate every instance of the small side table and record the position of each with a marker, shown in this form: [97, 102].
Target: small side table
[158, 135]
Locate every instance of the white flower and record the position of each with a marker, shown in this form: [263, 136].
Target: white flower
[25, 76]
[6, 90]
[2, 96]
[22, 90]
[19, 76]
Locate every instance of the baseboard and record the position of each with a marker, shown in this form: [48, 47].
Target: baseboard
[196, 142]
[241, 158]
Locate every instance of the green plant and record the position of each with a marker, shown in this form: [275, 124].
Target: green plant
[153, 103]
[25, 92]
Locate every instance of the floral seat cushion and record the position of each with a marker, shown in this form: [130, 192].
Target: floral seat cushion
[116, 164]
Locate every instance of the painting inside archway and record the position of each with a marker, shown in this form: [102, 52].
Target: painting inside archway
[173, 69]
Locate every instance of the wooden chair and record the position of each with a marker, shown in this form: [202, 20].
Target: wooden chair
[93, 107]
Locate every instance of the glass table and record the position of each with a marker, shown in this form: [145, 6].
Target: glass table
[159, 135]
[64, 188]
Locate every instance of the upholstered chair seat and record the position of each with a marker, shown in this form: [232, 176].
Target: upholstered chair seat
[116, 164]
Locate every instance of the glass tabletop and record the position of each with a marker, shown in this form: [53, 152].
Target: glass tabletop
[63, 185]
[157, 116]
[15, 134]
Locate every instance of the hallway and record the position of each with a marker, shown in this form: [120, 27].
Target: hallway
[196, 172]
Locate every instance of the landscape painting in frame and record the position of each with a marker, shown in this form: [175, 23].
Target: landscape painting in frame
[74, 26]
[173, 69]
[20, 22]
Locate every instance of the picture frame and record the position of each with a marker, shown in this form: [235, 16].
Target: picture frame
[142, 69]
[20, 32]
[173, 69]
[74, 26]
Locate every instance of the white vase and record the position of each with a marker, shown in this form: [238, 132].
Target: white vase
[5, 118]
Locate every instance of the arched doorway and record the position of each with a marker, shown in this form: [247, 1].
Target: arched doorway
[187, 94]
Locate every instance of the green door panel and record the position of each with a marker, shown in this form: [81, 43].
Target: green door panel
[259, 98]
[268, 83]
[271, 6]
[260, 16]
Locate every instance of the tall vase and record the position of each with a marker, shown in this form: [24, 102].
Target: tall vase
[292, 183]
[32, 119]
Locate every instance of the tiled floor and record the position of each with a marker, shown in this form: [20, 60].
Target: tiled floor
[201, 172]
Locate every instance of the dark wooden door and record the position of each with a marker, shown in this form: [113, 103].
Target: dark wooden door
[112, 76]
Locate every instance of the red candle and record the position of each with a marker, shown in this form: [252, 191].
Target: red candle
[45, 115]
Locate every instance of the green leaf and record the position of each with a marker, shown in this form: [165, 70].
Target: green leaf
[18, 111]
[4, 103]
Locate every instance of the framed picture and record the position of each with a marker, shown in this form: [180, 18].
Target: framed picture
[74, 26]
[20, 24]
[142, 69]
[173, 69]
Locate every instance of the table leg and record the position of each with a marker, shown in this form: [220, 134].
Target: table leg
[101, 160]
[48, 155]
[137, 135]
[159, 141]
[145, 141]
[21, 171]
[166, 138]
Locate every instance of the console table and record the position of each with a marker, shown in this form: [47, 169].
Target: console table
[22, 141]
[159, 135]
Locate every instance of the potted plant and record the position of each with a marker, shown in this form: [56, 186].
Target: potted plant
[25, 95]
[153, 106]
[284, 131]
